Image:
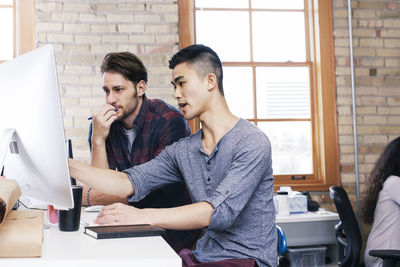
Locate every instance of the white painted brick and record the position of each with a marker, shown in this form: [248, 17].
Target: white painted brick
[77, 7]
[131, 6]
[165, 8]
[130, 28]
[92, 18]
[64, 17]
[77, 91]
[92, 101]
[49, 27]
[76, 48]
[59, 38]
[120, 18]
[78, 69]
[76, 27]
[91, 80]
[88, 39]
[147, 18]
[116, 39]
[48, 6]
[103, 28]
[141, 39]
[103, 49]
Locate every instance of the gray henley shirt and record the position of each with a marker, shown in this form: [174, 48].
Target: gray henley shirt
[236, 179]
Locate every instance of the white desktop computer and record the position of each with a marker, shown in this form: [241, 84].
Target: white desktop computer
[32, 141]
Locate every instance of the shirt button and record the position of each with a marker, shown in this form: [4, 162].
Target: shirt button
[208, 179]
[208, 162]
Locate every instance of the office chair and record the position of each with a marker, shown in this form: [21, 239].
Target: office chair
[349, 236]
[282, 245]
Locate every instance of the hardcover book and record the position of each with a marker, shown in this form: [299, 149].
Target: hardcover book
[123, 231]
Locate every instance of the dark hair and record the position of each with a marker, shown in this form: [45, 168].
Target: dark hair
[127, 64]
[387, 164]
[203, 59]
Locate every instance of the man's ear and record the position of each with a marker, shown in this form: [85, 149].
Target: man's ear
[141, 88]
[212, 81]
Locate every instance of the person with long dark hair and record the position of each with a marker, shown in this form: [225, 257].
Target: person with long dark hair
[381, 207]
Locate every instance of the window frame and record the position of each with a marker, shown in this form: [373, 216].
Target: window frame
[323, 101]
[24, 26]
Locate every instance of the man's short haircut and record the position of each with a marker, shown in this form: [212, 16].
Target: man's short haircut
[127, 64]
[203, 59]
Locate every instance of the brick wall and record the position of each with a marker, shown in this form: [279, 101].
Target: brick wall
[376, 47]
[82, 32]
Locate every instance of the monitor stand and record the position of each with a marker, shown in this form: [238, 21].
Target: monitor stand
[7, 142]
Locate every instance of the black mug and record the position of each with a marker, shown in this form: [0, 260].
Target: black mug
[69, 220]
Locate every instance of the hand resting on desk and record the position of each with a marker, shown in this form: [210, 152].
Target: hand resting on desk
[119, 213]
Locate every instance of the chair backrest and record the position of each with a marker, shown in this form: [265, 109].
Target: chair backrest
[282, 245]
[347, 230]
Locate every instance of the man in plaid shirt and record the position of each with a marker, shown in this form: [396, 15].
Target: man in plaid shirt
[131, 129]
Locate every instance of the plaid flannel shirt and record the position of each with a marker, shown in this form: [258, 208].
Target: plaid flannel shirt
[157, 125]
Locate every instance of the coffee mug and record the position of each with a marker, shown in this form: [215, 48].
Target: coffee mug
[69, 220]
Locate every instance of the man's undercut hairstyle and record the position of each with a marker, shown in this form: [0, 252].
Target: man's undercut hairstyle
[203, 60]
[127, 64]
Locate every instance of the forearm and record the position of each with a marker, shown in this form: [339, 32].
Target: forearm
[98, 198]
[99, 155]
[193, 216]
[103, 180]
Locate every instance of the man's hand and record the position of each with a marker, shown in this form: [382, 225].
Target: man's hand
[119, 213]
[102, 120]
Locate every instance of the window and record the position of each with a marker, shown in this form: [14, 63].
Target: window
[17, 20]
[7, 30]
[279, 74]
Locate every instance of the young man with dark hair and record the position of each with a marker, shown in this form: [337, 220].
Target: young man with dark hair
[130, 130]
[226, 167]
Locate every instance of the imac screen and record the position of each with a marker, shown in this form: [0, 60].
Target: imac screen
[32, 141]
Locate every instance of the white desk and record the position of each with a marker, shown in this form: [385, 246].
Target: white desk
[311, 229]
[75, 249]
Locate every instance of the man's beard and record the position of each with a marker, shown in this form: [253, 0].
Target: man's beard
[131, 110]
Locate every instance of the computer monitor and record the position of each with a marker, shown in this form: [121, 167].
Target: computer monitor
[32, 141]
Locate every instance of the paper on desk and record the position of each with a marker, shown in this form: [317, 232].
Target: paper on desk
[21, 234]
[88, 218]
[9, 194]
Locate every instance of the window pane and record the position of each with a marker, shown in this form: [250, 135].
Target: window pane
[6, 33]
[6, 2]
[226, 32]
[291, 144]
[279, 36]
[283, 92]
[238, 89]
[222, 3]
[274, 4]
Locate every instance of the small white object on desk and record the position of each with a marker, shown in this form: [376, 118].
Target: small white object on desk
[94, 208]
[88, 218]
[283, 203]
[297, 202]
